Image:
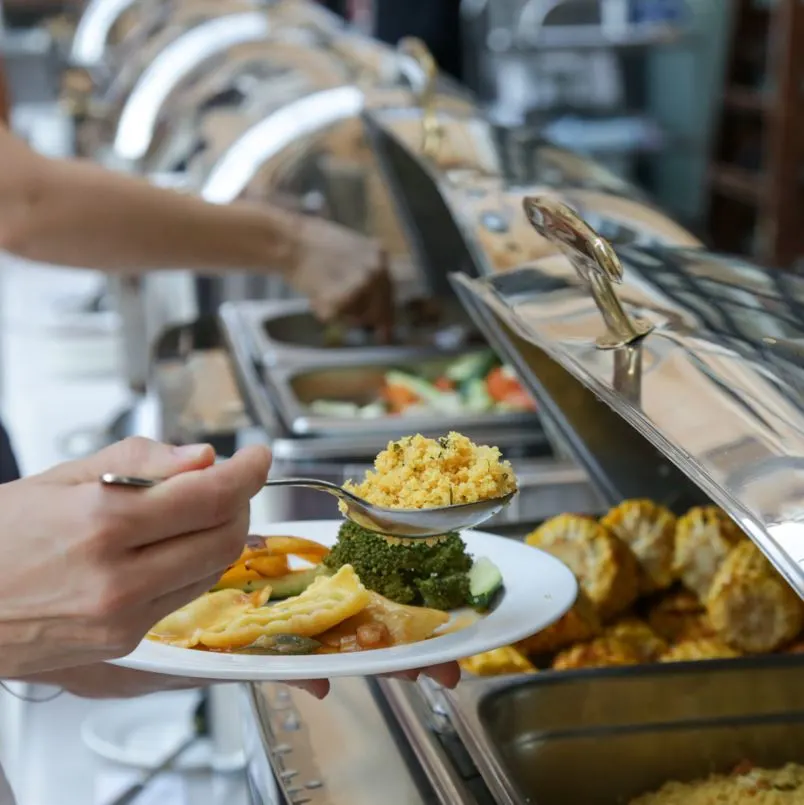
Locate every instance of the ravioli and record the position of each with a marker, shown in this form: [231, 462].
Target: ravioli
[186, 627]
[229, 619]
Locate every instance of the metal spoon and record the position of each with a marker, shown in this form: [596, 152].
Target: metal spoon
[402, 523]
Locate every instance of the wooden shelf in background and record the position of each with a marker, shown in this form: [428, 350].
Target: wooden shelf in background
[737, 183]
[746, 99]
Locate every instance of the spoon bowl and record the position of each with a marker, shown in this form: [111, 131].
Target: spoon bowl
[408, 524]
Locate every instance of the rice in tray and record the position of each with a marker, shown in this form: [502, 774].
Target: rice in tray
[420, 473]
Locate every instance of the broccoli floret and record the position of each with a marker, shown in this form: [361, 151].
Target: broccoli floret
[382, 567]
[444, 557]
[444, 592]
[396, 571]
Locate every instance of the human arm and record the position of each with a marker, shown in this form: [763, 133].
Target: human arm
[5, 100]
[79, 214]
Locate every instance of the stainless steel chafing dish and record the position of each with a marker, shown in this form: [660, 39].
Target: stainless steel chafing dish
[232, 55]
[120, 94]
[459, 191]
[724, 333]
[154, 64]
[106, 25]
[687, 387]
[668, 373]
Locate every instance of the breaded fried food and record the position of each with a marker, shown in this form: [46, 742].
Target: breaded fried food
[602, 652]
[650, 531]
[679, 615]
[604, 565]
[704, 537]
[750, 605]
[579, 624]
[705, 648]
[639, 636]
[500, 661]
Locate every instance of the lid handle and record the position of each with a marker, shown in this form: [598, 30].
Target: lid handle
[594, 260]
[431, 128]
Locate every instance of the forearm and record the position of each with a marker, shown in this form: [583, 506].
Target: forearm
[103, 681]
[78, 214]
[5, 100]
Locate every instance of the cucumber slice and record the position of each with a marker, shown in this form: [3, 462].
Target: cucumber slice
[474, 365]
[476, 396]
[485, 581]
[333, 408]
[373, 410]
[293, 583]
[445, 402]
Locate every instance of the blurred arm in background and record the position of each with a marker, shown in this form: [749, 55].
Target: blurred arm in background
[76, 213]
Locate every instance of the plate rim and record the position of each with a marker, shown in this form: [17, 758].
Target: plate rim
[240, 668]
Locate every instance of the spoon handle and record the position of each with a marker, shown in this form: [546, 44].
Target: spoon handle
[112, 479]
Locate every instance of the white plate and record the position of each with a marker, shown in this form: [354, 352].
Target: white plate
[143, 731]
[538, 591]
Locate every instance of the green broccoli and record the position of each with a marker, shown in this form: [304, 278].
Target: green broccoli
[444, 592]
[444, 557]
[407, 574]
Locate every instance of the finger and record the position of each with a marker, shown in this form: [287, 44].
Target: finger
[447, 675]
[315, 687]
[184, 504]
[174, 564]
[136, 456]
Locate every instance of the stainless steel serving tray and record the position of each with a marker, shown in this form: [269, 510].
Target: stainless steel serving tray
[285, 332]
[604, 737]
[279, 384]
[359, 380]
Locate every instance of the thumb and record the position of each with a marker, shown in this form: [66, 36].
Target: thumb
[139, 457]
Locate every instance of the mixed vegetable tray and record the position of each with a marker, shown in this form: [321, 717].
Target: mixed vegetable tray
[475, 383]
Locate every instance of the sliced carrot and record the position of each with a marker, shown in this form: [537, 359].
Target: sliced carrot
[398, 398]
[444, 384]
[296, 546]
[505, 389]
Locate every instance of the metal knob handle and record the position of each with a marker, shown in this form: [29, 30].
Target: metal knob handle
[594, 260]
[431, 128]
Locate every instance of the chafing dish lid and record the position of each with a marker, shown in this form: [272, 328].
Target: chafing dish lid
[703, 358]
[458, 183]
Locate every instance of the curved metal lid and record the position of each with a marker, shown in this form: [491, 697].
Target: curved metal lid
[701, 354]
[374, 83]
[173, 64]
[93, 33]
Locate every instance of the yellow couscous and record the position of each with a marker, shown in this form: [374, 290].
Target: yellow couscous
[420, 473]
[756, 786]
